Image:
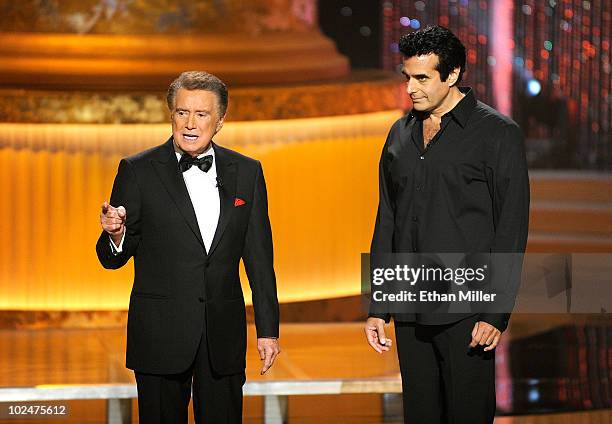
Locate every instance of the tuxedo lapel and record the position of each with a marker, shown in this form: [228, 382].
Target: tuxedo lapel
[166, 167]
[226, 176]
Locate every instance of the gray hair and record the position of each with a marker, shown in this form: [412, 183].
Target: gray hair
[199, 80]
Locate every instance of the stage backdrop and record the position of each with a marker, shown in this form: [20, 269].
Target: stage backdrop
[322, 183]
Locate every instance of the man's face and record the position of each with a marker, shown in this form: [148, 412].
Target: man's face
[195, 120]
[423, 82]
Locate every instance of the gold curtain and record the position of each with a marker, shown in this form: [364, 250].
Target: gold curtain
[322, 186]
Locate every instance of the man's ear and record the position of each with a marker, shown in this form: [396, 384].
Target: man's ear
[453, 77]
[220, 124]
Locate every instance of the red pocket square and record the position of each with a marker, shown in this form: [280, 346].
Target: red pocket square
[239, 202]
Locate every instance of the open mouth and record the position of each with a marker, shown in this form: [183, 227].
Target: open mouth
[190, 137]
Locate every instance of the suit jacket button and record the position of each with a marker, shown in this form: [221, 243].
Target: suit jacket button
[201, 299]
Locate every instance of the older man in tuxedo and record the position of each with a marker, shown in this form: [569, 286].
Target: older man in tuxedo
[188, 211]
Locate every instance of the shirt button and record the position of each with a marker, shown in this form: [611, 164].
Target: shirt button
[422, 157]
[418, 188]
[415, 219]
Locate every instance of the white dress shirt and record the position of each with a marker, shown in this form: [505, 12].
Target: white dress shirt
[204, 195]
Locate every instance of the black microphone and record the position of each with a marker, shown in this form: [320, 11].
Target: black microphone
[219, 182]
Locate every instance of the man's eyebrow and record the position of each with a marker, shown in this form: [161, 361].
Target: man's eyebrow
[418, 76]
[179, 109]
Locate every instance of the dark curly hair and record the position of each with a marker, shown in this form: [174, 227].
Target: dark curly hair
[439, 41]
[199, 80]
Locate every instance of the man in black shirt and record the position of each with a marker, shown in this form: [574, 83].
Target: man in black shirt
[453, 178]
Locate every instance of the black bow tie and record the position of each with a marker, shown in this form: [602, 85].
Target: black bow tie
[204, 163]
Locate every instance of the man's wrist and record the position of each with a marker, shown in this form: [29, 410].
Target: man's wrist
[117, 245]
[116, 238]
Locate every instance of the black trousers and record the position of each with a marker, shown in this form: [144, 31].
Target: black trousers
[164, 399]
[443, 379]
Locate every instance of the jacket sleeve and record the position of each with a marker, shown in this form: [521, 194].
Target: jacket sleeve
[258, 262]
[125, 193]
[382, 240]
[508, 180]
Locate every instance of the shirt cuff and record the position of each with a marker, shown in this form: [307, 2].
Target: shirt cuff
[117, 249]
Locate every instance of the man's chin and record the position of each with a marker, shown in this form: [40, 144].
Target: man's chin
[192, 147]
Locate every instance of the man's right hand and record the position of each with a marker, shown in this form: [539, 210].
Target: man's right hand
[113, 221]
[375, 334]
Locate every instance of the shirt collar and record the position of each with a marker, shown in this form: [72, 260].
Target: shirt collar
[462, 110]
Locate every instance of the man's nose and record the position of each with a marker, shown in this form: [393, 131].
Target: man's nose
[191, 121]
[411, 86]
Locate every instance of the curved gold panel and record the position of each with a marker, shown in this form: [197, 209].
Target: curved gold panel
[151, 62]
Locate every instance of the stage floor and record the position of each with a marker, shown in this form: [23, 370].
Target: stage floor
[549, 369]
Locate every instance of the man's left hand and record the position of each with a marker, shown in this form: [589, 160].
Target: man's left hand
[485, 334]
[268, 349]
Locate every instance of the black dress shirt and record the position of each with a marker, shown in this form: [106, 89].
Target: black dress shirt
[467, 191]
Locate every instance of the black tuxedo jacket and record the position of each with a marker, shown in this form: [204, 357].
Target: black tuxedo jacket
[178, 285]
